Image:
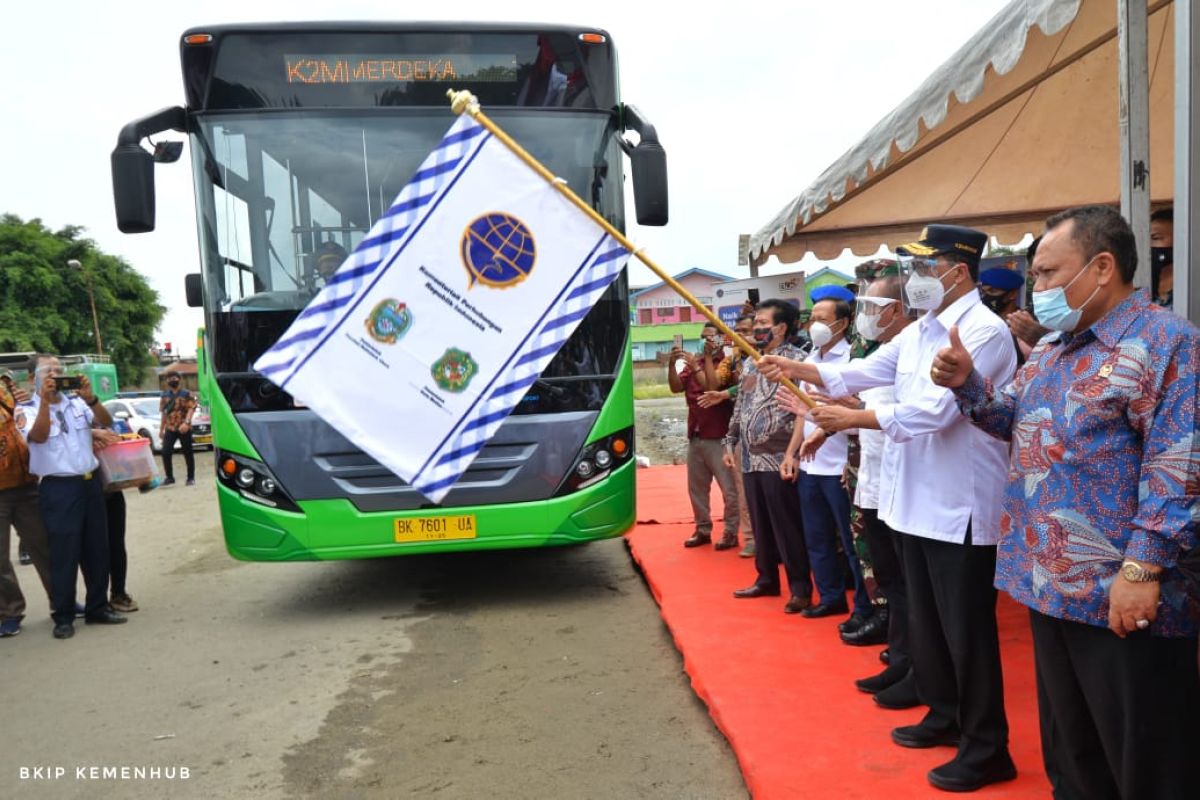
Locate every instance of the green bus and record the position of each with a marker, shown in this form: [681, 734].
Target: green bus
[301, 134]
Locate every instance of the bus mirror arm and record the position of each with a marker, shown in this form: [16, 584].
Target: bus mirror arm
[133, 168]
[649, 166]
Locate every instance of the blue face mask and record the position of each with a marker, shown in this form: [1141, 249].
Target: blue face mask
[1052, 309]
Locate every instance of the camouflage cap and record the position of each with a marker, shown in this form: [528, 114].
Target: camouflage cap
[876, 268]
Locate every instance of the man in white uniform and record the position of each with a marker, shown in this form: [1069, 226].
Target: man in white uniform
[944, 499]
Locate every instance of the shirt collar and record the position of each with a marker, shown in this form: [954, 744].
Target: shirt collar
[950, 316]
[1113, 326]
[841, 348]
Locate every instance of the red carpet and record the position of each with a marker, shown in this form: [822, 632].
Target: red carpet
[780, 687]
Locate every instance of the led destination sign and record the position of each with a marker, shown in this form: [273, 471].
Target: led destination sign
[425, 68]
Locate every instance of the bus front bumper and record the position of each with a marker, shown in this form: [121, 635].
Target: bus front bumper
[335, 529]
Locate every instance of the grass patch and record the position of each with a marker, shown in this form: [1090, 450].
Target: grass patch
[651, 391]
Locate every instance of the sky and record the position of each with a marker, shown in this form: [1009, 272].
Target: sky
[751, 102]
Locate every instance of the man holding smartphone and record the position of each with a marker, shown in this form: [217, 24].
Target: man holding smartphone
[70, 496]
[706, 428]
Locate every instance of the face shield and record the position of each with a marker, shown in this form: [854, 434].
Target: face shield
[869, 313]
[924, 286]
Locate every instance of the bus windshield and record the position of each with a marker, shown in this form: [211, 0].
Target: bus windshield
[279, 193]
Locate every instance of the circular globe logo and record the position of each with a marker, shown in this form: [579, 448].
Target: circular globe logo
[498, 250]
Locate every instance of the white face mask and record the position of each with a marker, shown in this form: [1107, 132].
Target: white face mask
[924, 292]
[868, 326]
[820, 333]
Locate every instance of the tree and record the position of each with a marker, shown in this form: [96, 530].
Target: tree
[44, 303]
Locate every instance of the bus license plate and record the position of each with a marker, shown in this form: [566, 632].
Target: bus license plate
[435, 529]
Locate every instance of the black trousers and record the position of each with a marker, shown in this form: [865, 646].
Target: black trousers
[778, 532]
[1120, 718]
[955, 644]
[168, 449]
[76, 527]
[884, 546]
[114, 506]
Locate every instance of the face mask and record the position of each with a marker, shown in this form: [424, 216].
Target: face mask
[1052, 309]
[820, 333]
[996, 302]
[868, 326]
[1160, 256]
[925, 292]
[762, 337]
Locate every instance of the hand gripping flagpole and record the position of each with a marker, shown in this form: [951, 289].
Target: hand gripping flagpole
[465, 102]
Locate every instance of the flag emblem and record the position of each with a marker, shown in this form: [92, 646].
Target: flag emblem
[454, 370]
[389, 321]
[498, 250]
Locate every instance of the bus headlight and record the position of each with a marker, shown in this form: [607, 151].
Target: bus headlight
[597, 460]
[250, 479]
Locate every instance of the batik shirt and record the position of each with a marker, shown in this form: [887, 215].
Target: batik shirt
[176, 407]
[758, 423]
[14, 453]
[1104, 463]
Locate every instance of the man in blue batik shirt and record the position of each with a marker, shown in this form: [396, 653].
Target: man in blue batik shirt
[1103, 477]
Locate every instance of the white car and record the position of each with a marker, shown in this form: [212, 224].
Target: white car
[142, 415]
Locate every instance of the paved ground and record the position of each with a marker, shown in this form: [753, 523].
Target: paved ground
[527, 674]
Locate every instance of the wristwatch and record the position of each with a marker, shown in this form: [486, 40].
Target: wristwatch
[1136, 573]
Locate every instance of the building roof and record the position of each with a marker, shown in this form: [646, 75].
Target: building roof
[716, 276]
[829, 272]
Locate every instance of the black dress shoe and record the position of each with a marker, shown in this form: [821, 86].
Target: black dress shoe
[698, 540]
[919, 737]
[726, 543]
[954, 776]
[64, 630]
[856, 621]
[756, 591]
[105, 617]
[796, 604]
[877, 683]
[900, 695]
[874, 631]
[827, 609]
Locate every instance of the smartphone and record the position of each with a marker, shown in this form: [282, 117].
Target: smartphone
[679, 340]
[68, 383]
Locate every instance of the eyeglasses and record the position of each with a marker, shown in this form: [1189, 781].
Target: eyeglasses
[62, 421]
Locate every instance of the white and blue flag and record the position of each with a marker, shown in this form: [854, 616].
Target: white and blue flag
[447, 312]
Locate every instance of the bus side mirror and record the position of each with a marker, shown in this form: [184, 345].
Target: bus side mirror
[133, 167]
[133, 188]
[193, 286]
[649, 163]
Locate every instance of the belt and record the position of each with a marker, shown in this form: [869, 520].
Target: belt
[87, 476]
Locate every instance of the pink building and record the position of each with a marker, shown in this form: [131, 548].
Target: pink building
[658, 304]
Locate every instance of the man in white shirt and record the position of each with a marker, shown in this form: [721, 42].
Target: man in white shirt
[944, 499]
[824, 502]
[59, 432]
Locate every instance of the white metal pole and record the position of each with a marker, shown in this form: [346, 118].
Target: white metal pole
[1134, 121]
[1187, 159]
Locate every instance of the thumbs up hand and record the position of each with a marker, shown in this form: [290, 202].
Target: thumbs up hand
[952, 365]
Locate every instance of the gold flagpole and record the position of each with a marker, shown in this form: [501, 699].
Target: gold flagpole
[465, 102]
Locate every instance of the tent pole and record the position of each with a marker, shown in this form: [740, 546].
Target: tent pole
[1134, 120]
[1187, 160]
